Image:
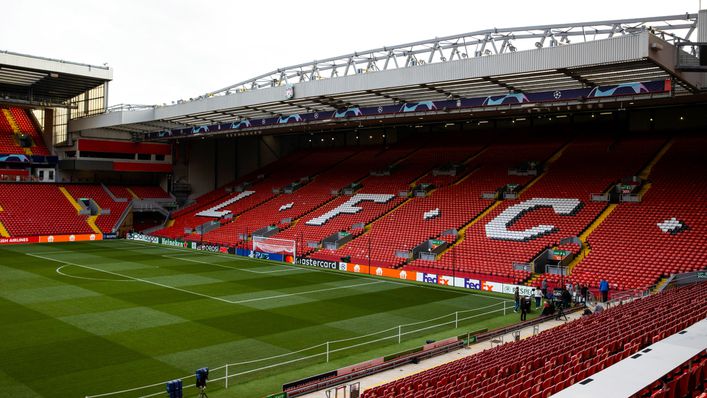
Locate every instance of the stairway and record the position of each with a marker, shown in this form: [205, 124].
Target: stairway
[490, 208]
[16, 130]
[3, 230]
[11, 120]
[91, 220]
[643, 174]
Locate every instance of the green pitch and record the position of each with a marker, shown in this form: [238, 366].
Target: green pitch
[85, 319]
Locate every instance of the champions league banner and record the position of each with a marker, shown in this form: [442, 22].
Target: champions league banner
[619, 90]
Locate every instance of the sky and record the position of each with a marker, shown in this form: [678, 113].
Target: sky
[165, 50]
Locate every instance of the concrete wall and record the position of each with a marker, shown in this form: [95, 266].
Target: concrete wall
[211, 163]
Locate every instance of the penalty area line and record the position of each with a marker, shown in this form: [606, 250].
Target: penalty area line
[346, 275]
[181, 258]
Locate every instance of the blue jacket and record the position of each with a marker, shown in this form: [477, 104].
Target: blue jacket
[603, 286]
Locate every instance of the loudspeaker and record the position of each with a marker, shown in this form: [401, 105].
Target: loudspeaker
[25, 141]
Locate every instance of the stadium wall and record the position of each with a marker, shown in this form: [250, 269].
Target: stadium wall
[209, 164]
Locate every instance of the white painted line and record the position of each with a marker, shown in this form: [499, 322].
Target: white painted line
[348, 275]
[58, 271]
[133, 278]
[181, 258]
[201, 294]
[307, 292]
[80, 251]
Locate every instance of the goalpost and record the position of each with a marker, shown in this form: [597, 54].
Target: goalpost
[274, 249]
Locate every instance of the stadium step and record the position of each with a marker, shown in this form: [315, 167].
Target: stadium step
[548, 163]
[586, 249]
[132, 193]
[643, 174]
[491, 207]
[71, 199]
[647, 170]
[3, 230]
[533, 280]
[92, 220]
[11, 120]
[660, 285]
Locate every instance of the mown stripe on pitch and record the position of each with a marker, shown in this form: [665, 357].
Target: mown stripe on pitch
[121, 320]
[10, 387]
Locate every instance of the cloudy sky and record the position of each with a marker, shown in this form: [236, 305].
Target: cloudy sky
[165, 50]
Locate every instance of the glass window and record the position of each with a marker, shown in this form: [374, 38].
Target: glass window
[61, 119]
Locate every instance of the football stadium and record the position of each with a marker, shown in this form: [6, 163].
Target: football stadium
[509, 212]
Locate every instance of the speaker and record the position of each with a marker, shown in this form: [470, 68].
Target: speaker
[25, 141]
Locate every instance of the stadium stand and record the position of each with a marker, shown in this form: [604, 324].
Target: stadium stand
[58, 210]
[304, 200]
[106, 222]
[585, 166]
[458, 203]
[687, 380]
[631, 249]
[149, 192]
[276, 176]
[385, 187]
[557, 358]
[120, 192]
[14, 122]
[24, 215]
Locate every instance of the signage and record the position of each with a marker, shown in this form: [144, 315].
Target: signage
[310, 262]
[636, 88]
[50, 239]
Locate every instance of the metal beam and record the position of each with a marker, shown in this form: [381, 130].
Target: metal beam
[577, 77]
[673, 28]
[502, 84]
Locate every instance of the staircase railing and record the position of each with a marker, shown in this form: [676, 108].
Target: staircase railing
[121, 220]
[112, 196]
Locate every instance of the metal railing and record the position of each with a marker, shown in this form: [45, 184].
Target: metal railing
[321, 352]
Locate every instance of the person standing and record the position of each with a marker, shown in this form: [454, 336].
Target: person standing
[516, 294]
[538, 295]
[604, 289]
[524, 308]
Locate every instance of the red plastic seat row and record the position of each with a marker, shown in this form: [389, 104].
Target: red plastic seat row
[559, 357]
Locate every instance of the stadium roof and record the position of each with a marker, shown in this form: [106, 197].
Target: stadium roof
[36, 81]
[489, 62]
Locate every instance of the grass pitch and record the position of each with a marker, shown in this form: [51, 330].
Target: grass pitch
[85, 319]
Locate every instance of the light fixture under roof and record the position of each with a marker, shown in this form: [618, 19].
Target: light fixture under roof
[19, 77]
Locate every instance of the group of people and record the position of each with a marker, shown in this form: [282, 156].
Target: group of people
[564, 296]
